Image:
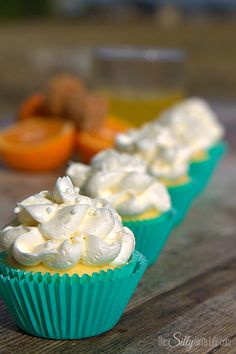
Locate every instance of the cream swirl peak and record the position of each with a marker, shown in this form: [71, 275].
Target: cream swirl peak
[164, 155]
[63, 228]
[121, 179]
[193, 123]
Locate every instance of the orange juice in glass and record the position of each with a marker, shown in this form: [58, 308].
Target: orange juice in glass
[139, 82]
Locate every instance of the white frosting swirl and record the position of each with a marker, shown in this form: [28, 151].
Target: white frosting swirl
[64, 228]
[193, 123]
[164, 155]
[123, 181]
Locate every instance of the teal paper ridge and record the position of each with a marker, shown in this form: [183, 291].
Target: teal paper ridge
[218, 150]
[182, 197]
[202, 171]
[152, 234]
[126, 269]
[64, 307]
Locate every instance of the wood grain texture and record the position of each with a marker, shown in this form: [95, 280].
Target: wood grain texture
[190, 290]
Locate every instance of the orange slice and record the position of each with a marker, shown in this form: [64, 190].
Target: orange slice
[37, 144]
[32, 106]
[90, 143]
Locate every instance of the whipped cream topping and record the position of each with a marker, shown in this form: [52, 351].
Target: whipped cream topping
[164, 155]
[63, 228]
[193, 123]
[121, 179]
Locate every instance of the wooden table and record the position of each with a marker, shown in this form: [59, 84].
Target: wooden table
[189, 294]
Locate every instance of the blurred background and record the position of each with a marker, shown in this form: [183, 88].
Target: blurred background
[143, 55]
[39, 38]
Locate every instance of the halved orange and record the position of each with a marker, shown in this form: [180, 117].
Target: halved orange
[37, 144]
[90, 143]
[32, 106]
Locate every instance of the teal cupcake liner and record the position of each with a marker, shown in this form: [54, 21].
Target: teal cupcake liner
[202, 171]
[152, 234]
[218, 150]
[64, 307]
[182, 197]
[7, 270]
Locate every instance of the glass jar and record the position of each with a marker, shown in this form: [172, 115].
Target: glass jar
[139, 82]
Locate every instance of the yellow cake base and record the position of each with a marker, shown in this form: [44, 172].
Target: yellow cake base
[79, 269]
[200, 155]
[150, 214]
[174, 182]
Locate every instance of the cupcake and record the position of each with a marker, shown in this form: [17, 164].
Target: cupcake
[68, 268]
[167, 160]
[142, 201]
[196, 126]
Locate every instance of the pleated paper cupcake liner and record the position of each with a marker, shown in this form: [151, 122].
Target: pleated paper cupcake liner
[63, 307]
[202, 171]
[123, 271]
[152, 234]
[218, 150]
[182, 197]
